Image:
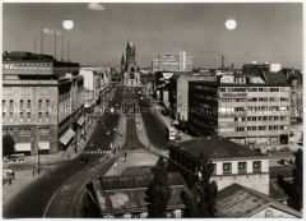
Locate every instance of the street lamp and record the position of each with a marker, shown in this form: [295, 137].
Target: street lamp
[68, 25]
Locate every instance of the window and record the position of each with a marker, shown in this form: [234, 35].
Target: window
[274, 89]
[3, 104]
[11, 105]
[47, 104]
[256, 166]
[254, 89]
[25, 132]
[272, 99]
[227, 168]
[3, 114]
[39, 104]
[252, 99]
[253, 118]
[264, 118]
[21, 105]
[261, 127]
[29, 104]
[283, 99]
[29, 115]
[39, 116]
[239, 108]
[214, 166]
[47, 115]
[240, 129]
[242, 167]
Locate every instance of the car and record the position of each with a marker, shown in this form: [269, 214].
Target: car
[13, 158]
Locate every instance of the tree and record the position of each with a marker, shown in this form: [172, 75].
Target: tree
[200, 199]
[8, 144]
[158, 192]
[294, 190]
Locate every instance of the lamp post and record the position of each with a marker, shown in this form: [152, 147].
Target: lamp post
[68, 25]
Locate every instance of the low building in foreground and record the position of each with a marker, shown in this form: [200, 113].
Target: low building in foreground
[239, 201]
[124, 196]
[233, 163]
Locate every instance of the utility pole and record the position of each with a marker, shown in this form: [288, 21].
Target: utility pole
[222, 62]
[38, 153]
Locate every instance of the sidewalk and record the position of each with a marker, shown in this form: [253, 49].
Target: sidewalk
[120, 133]
[26, 175]
[143, 138]
[167, 121]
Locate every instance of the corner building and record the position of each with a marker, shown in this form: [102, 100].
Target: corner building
[251, 109]
[41, 102]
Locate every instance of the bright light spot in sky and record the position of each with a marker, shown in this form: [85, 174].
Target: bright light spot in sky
[68, 24]
[230, 24]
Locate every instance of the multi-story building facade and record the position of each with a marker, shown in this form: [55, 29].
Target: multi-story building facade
[252, 109]
[233, 163]
[172, 62]
[41, 101]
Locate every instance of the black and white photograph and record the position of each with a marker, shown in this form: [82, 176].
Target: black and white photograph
[142, 110]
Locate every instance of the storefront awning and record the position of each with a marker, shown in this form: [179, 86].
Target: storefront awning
[67, 136]
[44, 145]
[81, 121]
[23, 147]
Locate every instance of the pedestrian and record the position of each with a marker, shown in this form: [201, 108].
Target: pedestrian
[9, 179]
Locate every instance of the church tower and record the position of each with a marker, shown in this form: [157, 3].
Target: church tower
[130, 55]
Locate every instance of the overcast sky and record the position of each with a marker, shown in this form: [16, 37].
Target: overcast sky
[265, 32]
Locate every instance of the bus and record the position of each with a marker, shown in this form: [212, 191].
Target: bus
[173, 133]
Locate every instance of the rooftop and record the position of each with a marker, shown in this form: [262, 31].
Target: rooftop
[216, 147]
[239, 201]
[119, 194]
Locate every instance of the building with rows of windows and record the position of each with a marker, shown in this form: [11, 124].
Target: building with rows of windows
[41, 102]
[248, 108]
[233, 163]
[172, 62]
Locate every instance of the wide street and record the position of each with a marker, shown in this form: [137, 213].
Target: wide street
[66, 182]
[40, 192]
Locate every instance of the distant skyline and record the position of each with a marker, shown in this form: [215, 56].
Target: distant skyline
[266, 32]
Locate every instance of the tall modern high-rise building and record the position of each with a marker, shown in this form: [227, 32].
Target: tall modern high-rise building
[172, 62]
